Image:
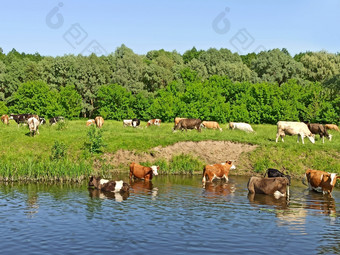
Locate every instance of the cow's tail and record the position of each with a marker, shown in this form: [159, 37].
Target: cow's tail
[304, 180]
[204, 178]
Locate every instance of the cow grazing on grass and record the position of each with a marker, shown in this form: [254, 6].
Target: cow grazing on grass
[127, 123]
[332, 126]
[107, 185]
[189, 124]
[42, 121]
[319, 129]
[294, 128]
[321, 181]
[271, 172]
[211, 125]
[135, 122]
[99, 121]
[143, 172]
[55, 120]
[33, 125]
[241, 126]
[217, 171]
[90, 122]
[156, 122]
[22, 118]
[277, 186]
[5, 119]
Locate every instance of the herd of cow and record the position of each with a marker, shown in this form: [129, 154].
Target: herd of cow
[275, 184]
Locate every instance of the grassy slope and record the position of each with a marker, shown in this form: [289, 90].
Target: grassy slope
[16, 145]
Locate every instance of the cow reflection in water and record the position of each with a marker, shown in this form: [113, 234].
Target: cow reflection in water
[143, 187]
[321, 204]
[262, 199]
[118, 196]
[218, 188]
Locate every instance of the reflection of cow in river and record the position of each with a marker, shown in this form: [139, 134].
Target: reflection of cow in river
[262, 199]
[218, 188]
[118, 196]
[143, 187]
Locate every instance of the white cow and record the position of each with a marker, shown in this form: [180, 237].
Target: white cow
[241, 126]
[294, 128]
[127, 123]
[33, 125]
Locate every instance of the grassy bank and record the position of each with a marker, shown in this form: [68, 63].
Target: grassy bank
[25, 157]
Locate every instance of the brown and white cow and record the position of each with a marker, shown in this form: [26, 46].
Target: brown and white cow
[107, 185]
[321, 181]
[5, 119]
[217, 171]
[332, 126]
[90, 122]
[188, 124]
[294, 128]
[156, 122]
[99, 121]
[277, 186]
[211, 125]
[143, 172]
[319, 129]
[33, 125]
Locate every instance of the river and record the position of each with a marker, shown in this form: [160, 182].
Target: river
[171, 215]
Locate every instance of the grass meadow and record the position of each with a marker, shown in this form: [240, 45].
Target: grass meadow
[29, 158]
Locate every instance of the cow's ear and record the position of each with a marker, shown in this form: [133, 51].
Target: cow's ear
[229, 162]
[157, 167]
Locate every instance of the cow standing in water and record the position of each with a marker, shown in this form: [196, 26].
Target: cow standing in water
[99, 121]
[217, 171]
[321, 181]
[277, 186]
[143, 172]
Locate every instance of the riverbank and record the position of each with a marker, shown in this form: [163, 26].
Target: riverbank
[24, 157]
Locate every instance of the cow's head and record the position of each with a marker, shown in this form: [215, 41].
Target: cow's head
[329, 137]
[94, 181]
[154, 170]
[232, 166]
[311, 138]
[231, 125]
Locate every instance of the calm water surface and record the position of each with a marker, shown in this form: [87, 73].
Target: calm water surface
[171, 215]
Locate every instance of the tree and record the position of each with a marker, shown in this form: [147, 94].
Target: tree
[276, 66]
[70, 101]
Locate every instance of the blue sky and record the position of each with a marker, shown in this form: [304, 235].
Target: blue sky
[72, 27]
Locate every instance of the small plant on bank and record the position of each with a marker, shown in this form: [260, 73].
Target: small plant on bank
[61, 125]
[58, 151]
[95, 140]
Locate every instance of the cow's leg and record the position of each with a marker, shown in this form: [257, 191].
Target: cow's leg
[323, 138]
[277, 137]
[226, 178]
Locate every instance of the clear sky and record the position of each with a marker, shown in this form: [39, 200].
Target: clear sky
[82, 26]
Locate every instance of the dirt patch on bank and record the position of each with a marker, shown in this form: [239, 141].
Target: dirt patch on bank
[209, 152]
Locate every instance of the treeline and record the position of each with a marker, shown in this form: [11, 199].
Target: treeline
[211, 85]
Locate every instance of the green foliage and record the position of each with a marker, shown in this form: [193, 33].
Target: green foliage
[3, 108]
[95, 140]
[58, 151]
[62, 125]
[70, 102]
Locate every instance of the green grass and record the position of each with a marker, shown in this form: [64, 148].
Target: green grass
[17, 148]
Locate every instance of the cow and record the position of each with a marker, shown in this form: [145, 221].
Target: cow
[320, 181]
[90, 122]
[217, 171]
[211, 125]
[107, 185]
[293, 128]
[241, 126]
[42, 121]
[143, 172]
[33, 125]
[5, 119]
[55, 120]
[271, 172]
[277, 186]
[127, 123]
[332, 126]
[99, 121]
[156, 122]
[177, 120]
[319, 129]
[135, 122]
[189, 124]
[22, 118]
